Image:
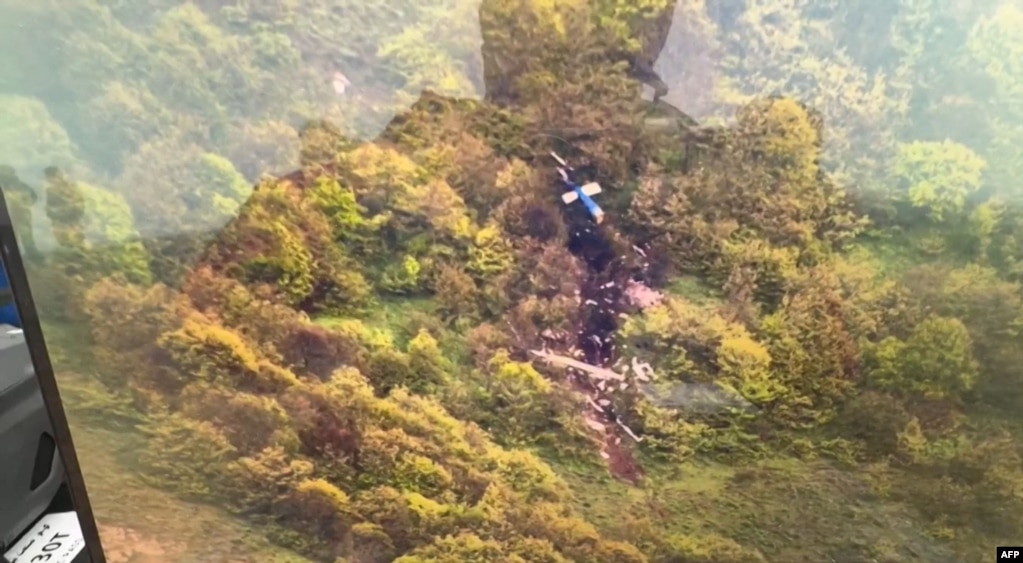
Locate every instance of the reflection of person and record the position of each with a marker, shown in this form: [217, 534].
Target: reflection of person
[65, 207]
[20, 198]
[8, 310]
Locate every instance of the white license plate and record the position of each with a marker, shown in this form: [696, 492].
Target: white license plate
[55, 538]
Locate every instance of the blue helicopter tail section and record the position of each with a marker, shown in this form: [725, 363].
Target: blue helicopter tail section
[577, 192]
[595, 211]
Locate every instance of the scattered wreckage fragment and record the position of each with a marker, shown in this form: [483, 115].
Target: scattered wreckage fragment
[340, 83]
[642, 370]
[600, 405]
[642, 296]
[594, 371]
[629, 431]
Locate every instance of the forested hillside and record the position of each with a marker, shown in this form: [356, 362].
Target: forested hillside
[300, 256]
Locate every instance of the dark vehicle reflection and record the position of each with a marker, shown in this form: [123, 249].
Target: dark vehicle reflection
[39, 520]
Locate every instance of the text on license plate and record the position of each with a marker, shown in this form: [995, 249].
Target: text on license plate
[55, 538]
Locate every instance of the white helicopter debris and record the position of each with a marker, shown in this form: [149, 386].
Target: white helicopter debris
[340, 83]
[642, 296]
[629, 431]
[593, 371]
[642, 370]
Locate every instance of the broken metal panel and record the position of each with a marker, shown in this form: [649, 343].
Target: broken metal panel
[593, 371]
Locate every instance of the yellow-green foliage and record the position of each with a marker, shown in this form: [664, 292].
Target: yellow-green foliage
[977, 488]
[747, 363]
[125, 322]
[344, 214]
[402, 277]
[30, 138]
[323, 505]
[525, 472]
[122, 116]
[418, 473]
[225, 186]
[990, 308]
[935, 361]
[95, 236]
[252, 423]
[789, 137]
[287, 242]
[490, 254]
[161, 183]
[710, 549]
[506, 33]
[773, 52]
[65, 208]
[204, 350]
[427, 361]
[247, 325]
[412, 453]
[757, 271]
[290, 270]
[695, 344]
[721, 204]
[813, 346]
[515, 401]
[260, 482]
[388, 369]
[187, 454]
[384, 177]
[620, 18]
[110, 230]
[430, 59]
[691, 345]
[938, 178]
[995, 47]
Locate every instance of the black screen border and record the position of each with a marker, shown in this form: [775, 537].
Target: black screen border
[22, 295]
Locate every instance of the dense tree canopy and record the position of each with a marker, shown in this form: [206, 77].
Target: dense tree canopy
[309, 250]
